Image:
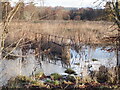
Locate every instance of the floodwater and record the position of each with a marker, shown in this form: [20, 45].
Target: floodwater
[81, 62]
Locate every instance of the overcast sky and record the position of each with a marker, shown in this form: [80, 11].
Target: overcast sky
[68, 3]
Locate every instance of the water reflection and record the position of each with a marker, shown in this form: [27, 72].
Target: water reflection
[82, 62]
[90, 59]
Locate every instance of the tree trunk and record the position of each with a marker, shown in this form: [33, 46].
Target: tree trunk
[116, 8]
[117, 70]
[4, 16]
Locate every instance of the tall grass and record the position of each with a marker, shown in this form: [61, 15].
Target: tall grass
[84, 31]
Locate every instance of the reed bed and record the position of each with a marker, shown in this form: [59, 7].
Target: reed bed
[82, 31]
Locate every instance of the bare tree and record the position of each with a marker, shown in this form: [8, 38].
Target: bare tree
[7, 18]
[115, 11]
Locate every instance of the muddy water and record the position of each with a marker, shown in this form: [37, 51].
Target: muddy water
[80, 62]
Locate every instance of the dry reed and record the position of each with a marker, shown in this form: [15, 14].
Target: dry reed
[83, 31]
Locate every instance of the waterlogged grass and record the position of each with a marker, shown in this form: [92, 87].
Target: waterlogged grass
[23, 81]
[58, 82]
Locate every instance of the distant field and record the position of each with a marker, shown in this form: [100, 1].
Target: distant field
[85, 31]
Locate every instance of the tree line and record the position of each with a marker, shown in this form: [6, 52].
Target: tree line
[32, 12]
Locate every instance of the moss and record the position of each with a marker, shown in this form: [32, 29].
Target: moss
[56, 82]
[56, 76]
[70, 71]
[22, 81]
[48, 81]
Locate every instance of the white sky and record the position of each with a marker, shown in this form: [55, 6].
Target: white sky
[68, 3]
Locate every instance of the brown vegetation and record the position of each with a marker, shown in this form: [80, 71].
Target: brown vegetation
[51, 37]
[82, 31]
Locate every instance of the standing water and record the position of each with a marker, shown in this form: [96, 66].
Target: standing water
[88, 58]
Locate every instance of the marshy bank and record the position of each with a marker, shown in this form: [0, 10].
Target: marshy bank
[54, 46]
[87, 65]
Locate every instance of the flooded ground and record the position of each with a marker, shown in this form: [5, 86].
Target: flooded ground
[87, 59]
[91, 58]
